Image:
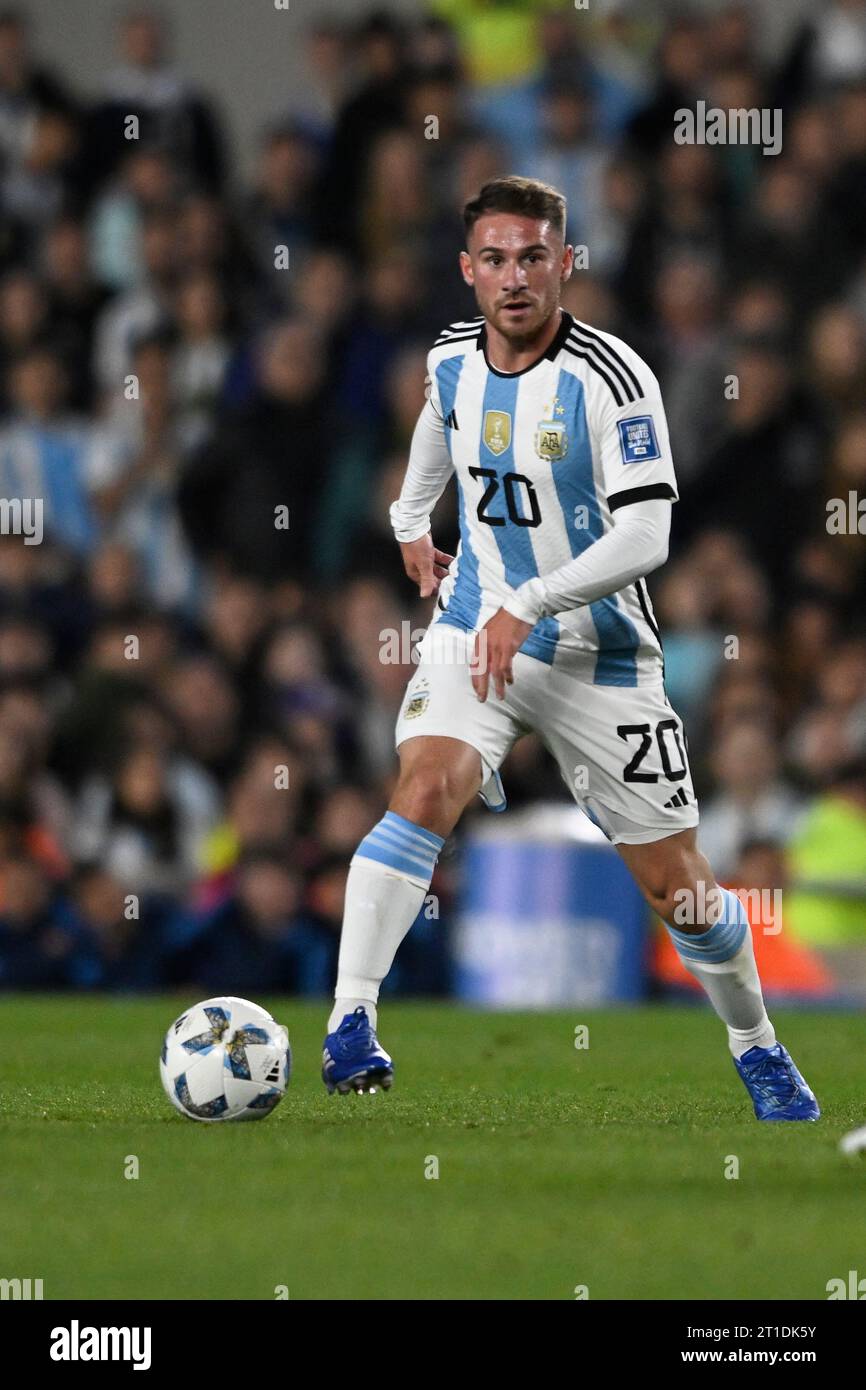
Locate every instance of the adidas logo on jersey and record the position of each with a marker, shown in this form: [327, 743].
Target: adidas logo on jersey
[451, 420]
[678, 799]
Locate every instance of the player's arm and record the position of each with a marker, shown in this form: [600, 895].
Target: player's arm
[637, 468]
[427, 473]
[635, 545]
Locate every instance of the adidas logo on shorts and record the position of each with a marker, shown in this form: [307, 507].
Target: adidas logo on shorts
[678, 799]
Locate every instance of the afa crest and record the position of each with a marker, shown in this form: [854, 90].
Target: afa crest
[551, 436]
[497, 431]
[417, 705]
[551, 440]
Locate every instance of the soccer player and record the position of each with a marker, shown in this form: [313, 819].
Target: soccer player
[557, 438]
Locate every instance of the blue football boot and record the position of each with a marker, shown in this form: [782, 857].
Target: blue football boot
[775, 1085]
[353, 1060]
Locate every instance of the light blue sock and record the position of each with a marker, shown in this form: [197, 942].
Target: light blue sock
[402, 845]
[722, 959]
[388, 881]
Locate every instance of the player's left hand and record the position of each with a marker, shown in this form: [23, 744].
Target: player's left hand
[495, 647]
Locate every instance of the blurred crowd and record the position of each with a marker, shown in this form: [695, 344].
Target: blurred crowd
[212, 381]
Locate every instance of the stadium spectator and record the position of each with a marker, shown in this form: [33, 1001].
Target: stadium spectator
[251, 496]
[826, 908]
[260, 937]
[169, 112]
[752, 801]
[148, 823]
[36, 933]
[278, 212]
[121, 943]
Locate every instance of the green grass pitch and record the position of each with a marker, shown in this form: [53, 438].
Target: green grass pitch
[558, 1167]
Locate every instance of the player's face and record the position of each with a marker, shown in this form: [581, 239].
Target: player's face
[517, 266]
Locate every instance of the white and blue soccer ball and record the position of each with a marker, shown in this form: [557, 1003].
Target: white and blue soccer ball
[225, 1059]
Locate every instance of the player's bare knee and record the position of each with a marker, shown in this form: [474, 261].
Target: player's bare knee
[681, 889]
[427, 793]
[660, 886]
[431, 794]
[663, 902]
[691, 903]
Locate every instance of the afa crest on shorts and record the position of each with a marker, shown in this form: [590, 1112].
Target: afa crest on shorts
[417, 704]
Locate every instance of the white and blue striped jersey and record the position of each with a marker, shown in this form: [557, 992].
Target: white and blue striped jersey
[543, 458]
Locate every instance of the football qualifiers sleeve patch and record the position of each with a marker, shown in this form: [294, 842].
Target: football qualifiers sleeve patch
[637, 439]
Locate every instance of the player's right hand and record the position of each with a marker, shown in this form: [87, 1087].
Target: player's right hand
[425, 565]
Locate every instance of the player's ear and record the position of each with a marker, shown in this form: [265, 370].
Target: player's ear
[567, 262]
[466, 268]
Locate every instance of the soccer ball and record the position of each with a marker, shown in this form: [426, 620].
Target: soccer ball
[225, 1059]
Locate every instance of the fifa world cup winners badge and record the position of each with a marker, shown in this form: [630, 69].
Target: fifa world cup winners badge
[551, 437]
[497, 431]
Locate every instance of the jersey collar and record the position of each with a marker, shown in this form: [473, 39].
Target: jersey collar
[554, 348]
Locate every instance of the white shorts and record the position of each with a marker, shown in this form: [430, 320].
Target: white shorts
[621, 750]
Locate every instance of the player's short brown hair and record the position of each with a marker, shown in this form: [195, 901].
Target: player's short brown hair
[527, 197]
